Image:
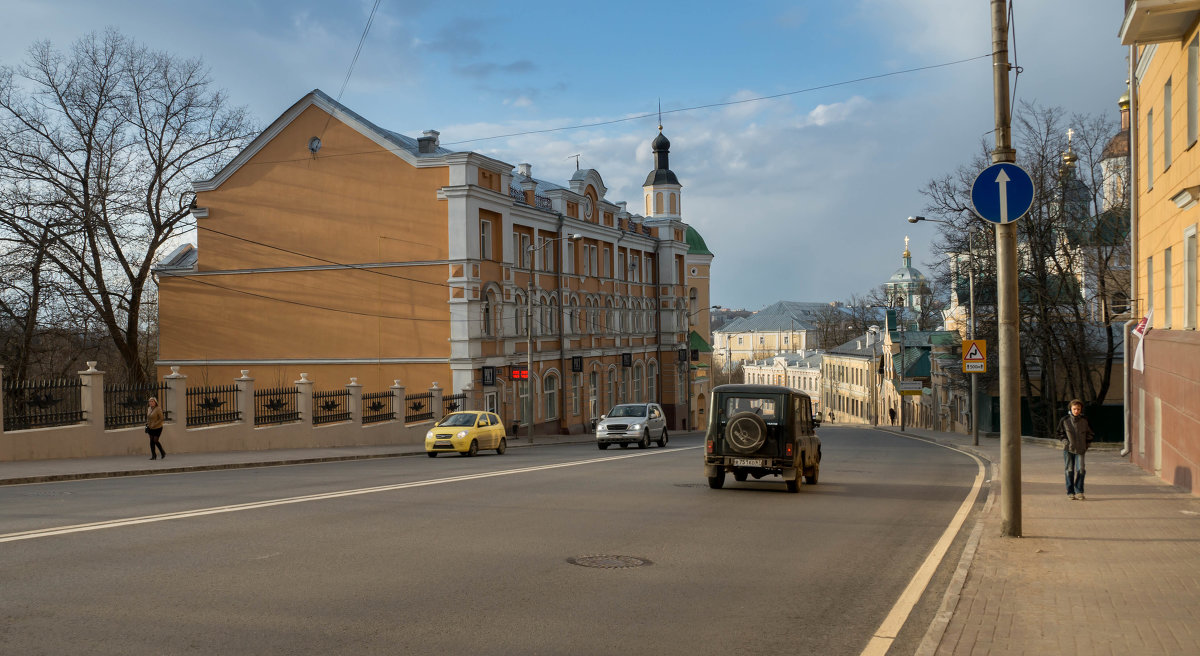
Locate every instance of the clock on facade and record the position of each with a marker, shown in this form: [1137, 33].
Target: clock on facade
[587, 207]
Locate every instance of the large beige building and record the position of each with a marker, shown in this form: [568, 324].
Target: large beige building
[1164, 40]
[337, 248]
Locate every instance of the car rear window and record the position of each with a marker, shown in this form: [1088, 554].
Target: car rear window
[767, 408]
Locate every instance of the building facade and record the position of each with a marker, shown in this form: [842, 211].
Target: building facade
[800, 371]
[1162, 421]
[783, 327]
[337, 248]
[850, 380]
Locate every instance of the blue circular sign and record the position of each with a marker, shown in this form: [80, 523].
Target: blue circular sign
[1002, 193]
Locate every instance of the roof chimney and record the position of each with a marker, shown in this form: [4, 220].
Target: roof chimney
[428, 142]
[525, 170]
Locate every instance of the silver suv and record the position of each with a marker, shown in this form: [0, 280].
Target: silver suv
[632, 423]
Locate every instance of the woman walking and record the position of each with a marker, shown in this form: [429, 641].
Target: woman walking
[154, 426]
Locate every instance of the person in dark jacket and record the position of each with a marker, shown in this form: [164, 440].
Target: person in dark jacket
[1076, 434]
[154, 426]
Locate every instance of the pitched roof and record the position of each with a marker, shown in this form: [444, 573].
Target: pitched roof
[783, 315]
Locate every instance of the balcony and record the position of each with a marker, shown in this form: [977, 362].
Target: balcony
[1157, 21]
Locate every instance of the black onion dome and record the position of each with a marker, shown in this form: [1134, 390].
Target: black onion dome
[662, 173]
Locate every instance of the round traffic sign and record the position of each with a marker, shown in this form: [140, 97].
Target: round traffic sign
[1002, 193]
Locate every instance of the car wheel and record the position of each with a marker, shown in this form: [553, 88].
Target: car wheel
[603, 447]
[431, 454]
[793, 485]
[502, 447]
[662, 439]
[739, 475]
[717, 482]
[812, 473]
[745, 432]
[645, 442]
[471, 450]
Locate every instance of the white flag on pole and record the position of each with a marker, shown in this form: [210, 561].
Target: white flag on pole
[1140, 332]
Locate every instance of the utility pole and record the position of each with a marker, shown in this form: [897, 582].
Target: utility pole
[1006, 283]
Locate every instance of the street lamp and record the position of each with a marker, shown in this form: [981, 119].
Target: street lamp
[528, 405]
[687, 361]
[971, 320]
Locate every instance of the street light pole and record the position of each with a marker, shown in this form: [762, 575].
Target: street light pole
[528, 404]
[687, 362]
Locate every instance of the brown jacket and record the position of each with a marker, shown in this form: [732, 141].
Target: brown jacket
[1076, 433]
[154, 417]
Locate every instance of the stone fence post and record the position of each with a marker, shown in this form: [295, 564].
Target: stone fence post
[398, 401]
[355, 401]
[176, 400]
[245, 397]
[305, 403]
[439, 410]
[92, 401]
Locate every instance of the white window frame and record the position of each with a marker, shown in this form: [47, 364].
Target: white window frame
[1193, 89]
[485, 239]
[1190, 277]
[550, 395]
[606, 262]
[1167, 124]
[569, 262]
[1150, 148]
[576, 383]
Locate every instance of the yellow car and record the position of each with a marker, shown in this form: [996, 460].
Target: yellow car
[466, 433]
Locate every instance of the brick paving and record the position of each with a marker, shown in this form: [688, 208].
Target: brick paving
[1118, 573]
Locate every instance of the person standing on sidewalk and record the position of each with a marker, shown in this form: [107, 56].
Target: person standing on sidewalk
[154, 426]
[1076, 434]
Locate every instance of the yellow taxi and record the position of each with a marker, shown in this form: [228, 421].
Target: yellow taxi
[466, 432]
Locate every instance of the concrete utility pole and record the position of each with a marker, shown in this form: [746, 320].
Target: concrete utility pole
[1006, 284]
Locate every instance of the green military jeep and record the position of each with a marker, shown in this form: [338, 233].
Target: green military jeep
[761, 430]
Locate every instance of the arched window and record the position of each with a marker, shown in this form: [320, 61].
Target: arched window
[550, 395]
[612, 389]
[658, 203]
[647, 203]
[594, 394]
[519, 314]
[652, 382]
[674, 205]
[637, 383]
[552, 316]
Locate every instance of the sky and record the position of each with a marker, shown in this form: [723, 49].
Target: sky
[802, 197]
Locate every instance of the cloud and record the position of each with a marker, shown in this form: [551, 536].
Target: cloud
[488, 69]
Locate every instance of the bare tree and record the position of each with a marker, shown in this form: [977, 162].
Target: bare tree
[99, 146]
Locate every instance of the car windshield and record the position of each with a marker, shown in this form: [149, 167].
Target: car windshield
[765, 408]
[628, 411]
[458, 419]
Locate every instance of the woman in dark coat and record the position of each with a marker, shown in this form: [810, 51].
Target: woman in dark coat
[154, 426]
[1076, 434]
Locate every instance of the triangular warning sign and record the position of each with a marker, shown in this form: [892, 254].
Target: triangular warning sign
[974, 353]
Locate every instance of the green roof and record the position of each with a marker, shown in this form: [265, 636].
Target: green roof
[698, 343]
[695, 242]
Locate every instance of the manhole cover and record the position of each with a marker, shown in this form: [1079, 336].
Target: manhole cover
[608, 562]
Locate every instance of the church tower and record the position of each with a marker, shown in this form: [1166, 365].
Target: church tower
[907, 285]
[661, 188]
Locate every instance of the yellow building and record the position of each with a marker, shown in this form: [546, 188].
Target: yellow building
[1164, 40]
[333, 247]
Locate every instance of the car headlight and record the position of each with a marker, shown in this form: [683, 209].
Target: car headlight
[461, 434]
[635, 427]
[429, 435]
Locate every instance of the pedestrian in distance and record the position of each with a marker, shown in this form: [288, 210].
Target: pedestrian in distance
[1076, 435]
[892, 415]
[154, 426]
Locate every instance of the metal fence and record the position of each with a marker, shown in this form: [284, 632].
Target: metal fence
[217, 404]
[377, 406]
[125, 405]
[331, 406]
[419, 407]
[42, 403]
[277, 405]
[453, 403]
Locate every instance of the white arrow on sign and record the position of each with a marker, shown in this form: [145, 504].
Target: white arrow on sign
[1002, 181]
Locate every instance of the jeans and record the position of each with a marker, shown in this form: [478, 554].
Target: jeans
[1075, 470]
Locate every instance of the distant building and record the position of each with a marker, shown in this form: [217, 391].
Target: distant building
[907, 287]
[801, 371]
[784, 327]
[850, 380]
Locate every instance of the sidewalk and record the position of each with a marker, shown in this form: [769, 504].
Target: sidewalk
[67, 469]
[1116, 574]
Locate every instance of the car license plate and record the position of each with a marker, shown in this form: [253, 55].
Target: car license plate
[443, 444]
[747, 462]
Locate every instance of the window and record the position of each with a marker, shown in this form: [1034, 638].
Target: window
[637, 383]
[785, 339]
[739, 340]
[605, 263]
[1167, 125]
[519, 313]
[1150, 149]
[569, 265]
[635, 269]
[485, 240]
[674, 204]
[593, 260]
[652, 382]
[550, 394]
[1167, 305]
[593, 393]
[522, 242]
[575, 384]
[658, 203]
[489, 307]
[1189, 278]
[539, 254]
[622, 270]
[1193, 90]
[1150, 287]
[523, 394]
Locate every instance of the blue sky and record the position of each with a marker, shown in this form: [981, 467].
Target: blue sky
[800, 198]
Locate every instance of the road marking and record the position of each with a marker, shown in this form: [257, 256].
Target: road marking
[886, 634]
[148, 519]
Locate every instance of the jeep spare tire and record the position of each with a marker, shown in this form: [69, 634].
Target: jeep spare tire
[745, 432]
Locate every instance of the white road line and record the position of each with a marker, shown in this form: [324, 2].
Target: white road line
[115, 523]
[886, 634]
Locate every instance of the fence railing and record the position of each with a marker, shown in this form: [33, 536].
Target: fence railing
[418, 407]
[125, 405]
[453, 403]
[330, 406]
[377, 406]
[217, 404]
[276, 405]
[42, 403]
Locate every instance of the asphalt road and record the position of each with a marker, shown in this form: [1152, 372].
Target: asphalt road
[473, 555]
